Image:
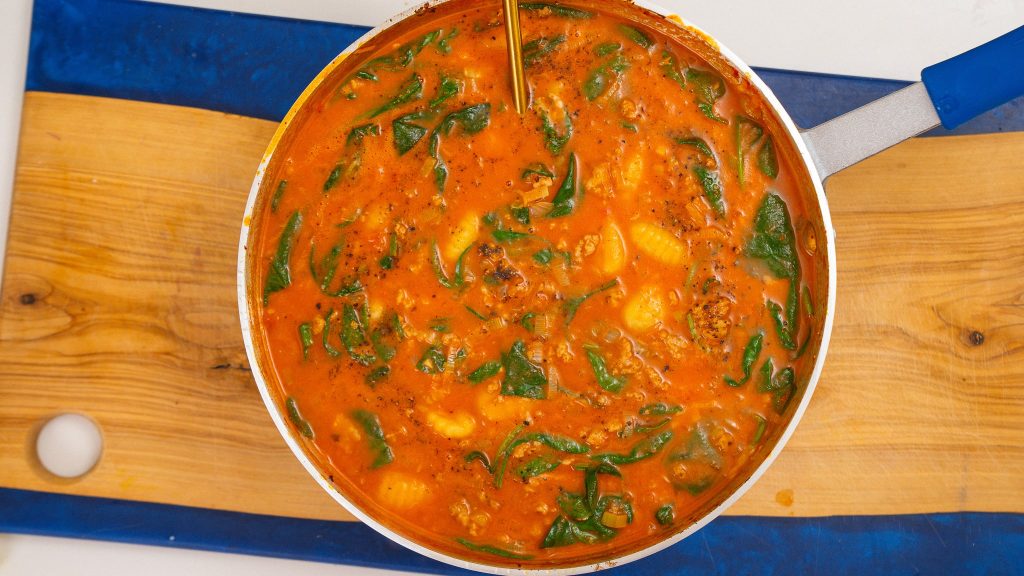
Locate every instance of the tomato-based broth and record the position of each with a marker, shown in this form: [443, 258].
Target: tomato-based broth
[530, 340]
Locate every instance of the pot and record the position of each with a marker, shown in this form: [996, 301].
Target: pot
[951, 93]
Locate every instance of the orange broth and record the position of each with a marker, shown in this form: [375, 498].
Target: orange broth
[461, 357]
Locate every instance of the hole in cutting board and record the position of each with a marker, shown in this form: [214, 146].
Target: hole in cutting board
[69, 445]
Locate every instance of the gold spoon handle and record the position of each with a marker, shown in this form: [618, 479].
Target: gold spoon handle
[514, 39]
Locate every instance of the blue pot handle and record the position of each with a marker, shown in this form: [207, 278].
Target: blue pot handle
[977, 80]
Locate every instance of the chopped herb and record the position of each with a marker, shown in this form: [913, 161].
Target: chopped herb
[660, 409]
[774, 243]
[411, 89]
[356, 135]
[488, 549]
[665, 515]
[305, 338]
[564, 201]
[708, 87]
[554, 140]
[485, 371]
[279, 274]
[536, 467]
[433, 360]
[375, 437]
[643, 449]
[522, 377]
[538, 169]
[638, 37]
[670, 68]
[446, 89]
[601, 78]
[605, 379]
[629, 126]
[556, 10]
[750, 354]
[376, 375]
[712, 186]
[300, 423]
[276, 198]
[572, 305]
[537, 49]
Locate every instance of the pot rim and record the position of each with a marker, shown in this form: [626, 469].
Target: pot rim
[296, 448]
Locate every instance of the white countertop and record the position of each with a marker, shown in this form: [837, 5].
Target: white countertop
[879, 38]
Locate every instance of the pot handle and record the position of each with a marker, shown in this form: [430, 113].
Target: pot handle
[950, 93]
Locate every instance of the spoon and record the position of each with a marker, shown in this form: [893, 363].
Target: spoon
[514, 40]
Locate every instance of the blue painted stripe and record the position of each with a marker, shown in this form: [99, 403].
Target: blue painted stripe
[949, 544]
[257, 65]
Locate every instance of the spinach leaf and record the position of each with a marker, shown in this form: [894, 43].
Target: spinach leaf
[482, 457]
[766, 160]
[506, 236]
[564, 201]
[411, 89]
[634, 426]
[528, 321]
[553, 140]
[750, 355]
[387, 262]
[520, 214]
[606, 48]
[605, 379]
[522, 377]
[536, 467]
[637, 36]
[488, 549]
[543, 256]
[539, 169]
[580, 521]
[665, 515]
[485, 371]
[374, 436]
[407, 133]
[356, 135]
[762, 424]
[572, 305]
[660, 409]
[326, 336]
[565, 532]
[433, 360]
[574, 506]
[301, 424]
[643, 449]
[696, 142]
[748, 133]
[448, 88]
[305, 338]
[708, 87]
[774, 243]
[699, 447]
[323, 273]
[279, 274]
[376, 375]
[712, 186]
[398, 60]
[276, 198]
[475, 313]
[781, 385]
[385, 337]
[670, 68]
[458, 280]
[444, 45]
[560, 443]
[556, 10]
[353, 335]
[601, 78]
[472, 119]
[537, 49]
[503, 454]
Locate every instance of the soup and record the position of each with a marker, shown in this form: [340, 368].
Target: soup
[543, 339]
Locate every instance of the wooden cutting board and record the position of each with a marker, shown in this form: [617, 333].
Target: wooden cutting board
[118, 301]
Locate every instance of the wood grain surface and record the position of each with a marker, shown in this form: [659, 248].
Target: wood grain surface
[118, 301]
